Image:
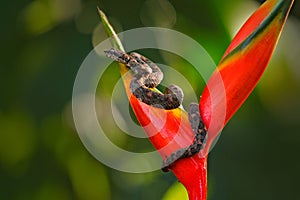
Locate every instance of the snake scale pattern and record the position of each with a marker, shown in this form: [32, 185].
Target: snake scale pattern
[147, 75]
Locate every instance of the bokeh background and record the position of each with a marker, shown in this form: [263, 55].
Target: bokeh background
[43, 43]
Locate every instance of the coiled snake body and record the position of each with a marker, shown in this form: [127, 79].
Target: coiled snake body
[148, 75]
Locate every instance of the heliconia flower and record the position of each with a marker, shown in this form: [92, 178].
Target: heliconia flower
[245, 60]
[235, 77]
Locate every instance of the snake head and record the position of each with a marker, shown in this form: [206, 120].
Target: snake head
[117, 55]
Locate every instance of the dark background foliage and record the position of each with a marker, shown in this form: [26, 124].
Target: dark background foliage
[43, 43]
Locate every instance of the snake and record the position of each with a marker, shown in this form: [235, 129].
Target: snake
[146, 76]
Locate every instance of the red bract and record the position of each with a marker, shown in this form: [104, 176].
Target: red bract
[237, 74]
[243, 63]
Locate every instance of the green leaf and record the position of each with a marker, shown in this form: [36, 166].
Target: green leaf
[176, 192]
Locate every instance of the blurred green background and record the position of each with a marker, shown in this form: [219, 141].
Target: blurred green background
[41, 157]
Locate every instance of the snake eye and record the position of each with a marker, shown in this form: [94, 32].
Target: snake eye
[126, 58]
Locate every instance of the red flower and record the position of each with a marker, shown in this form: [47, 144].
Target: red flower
[236, 76]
